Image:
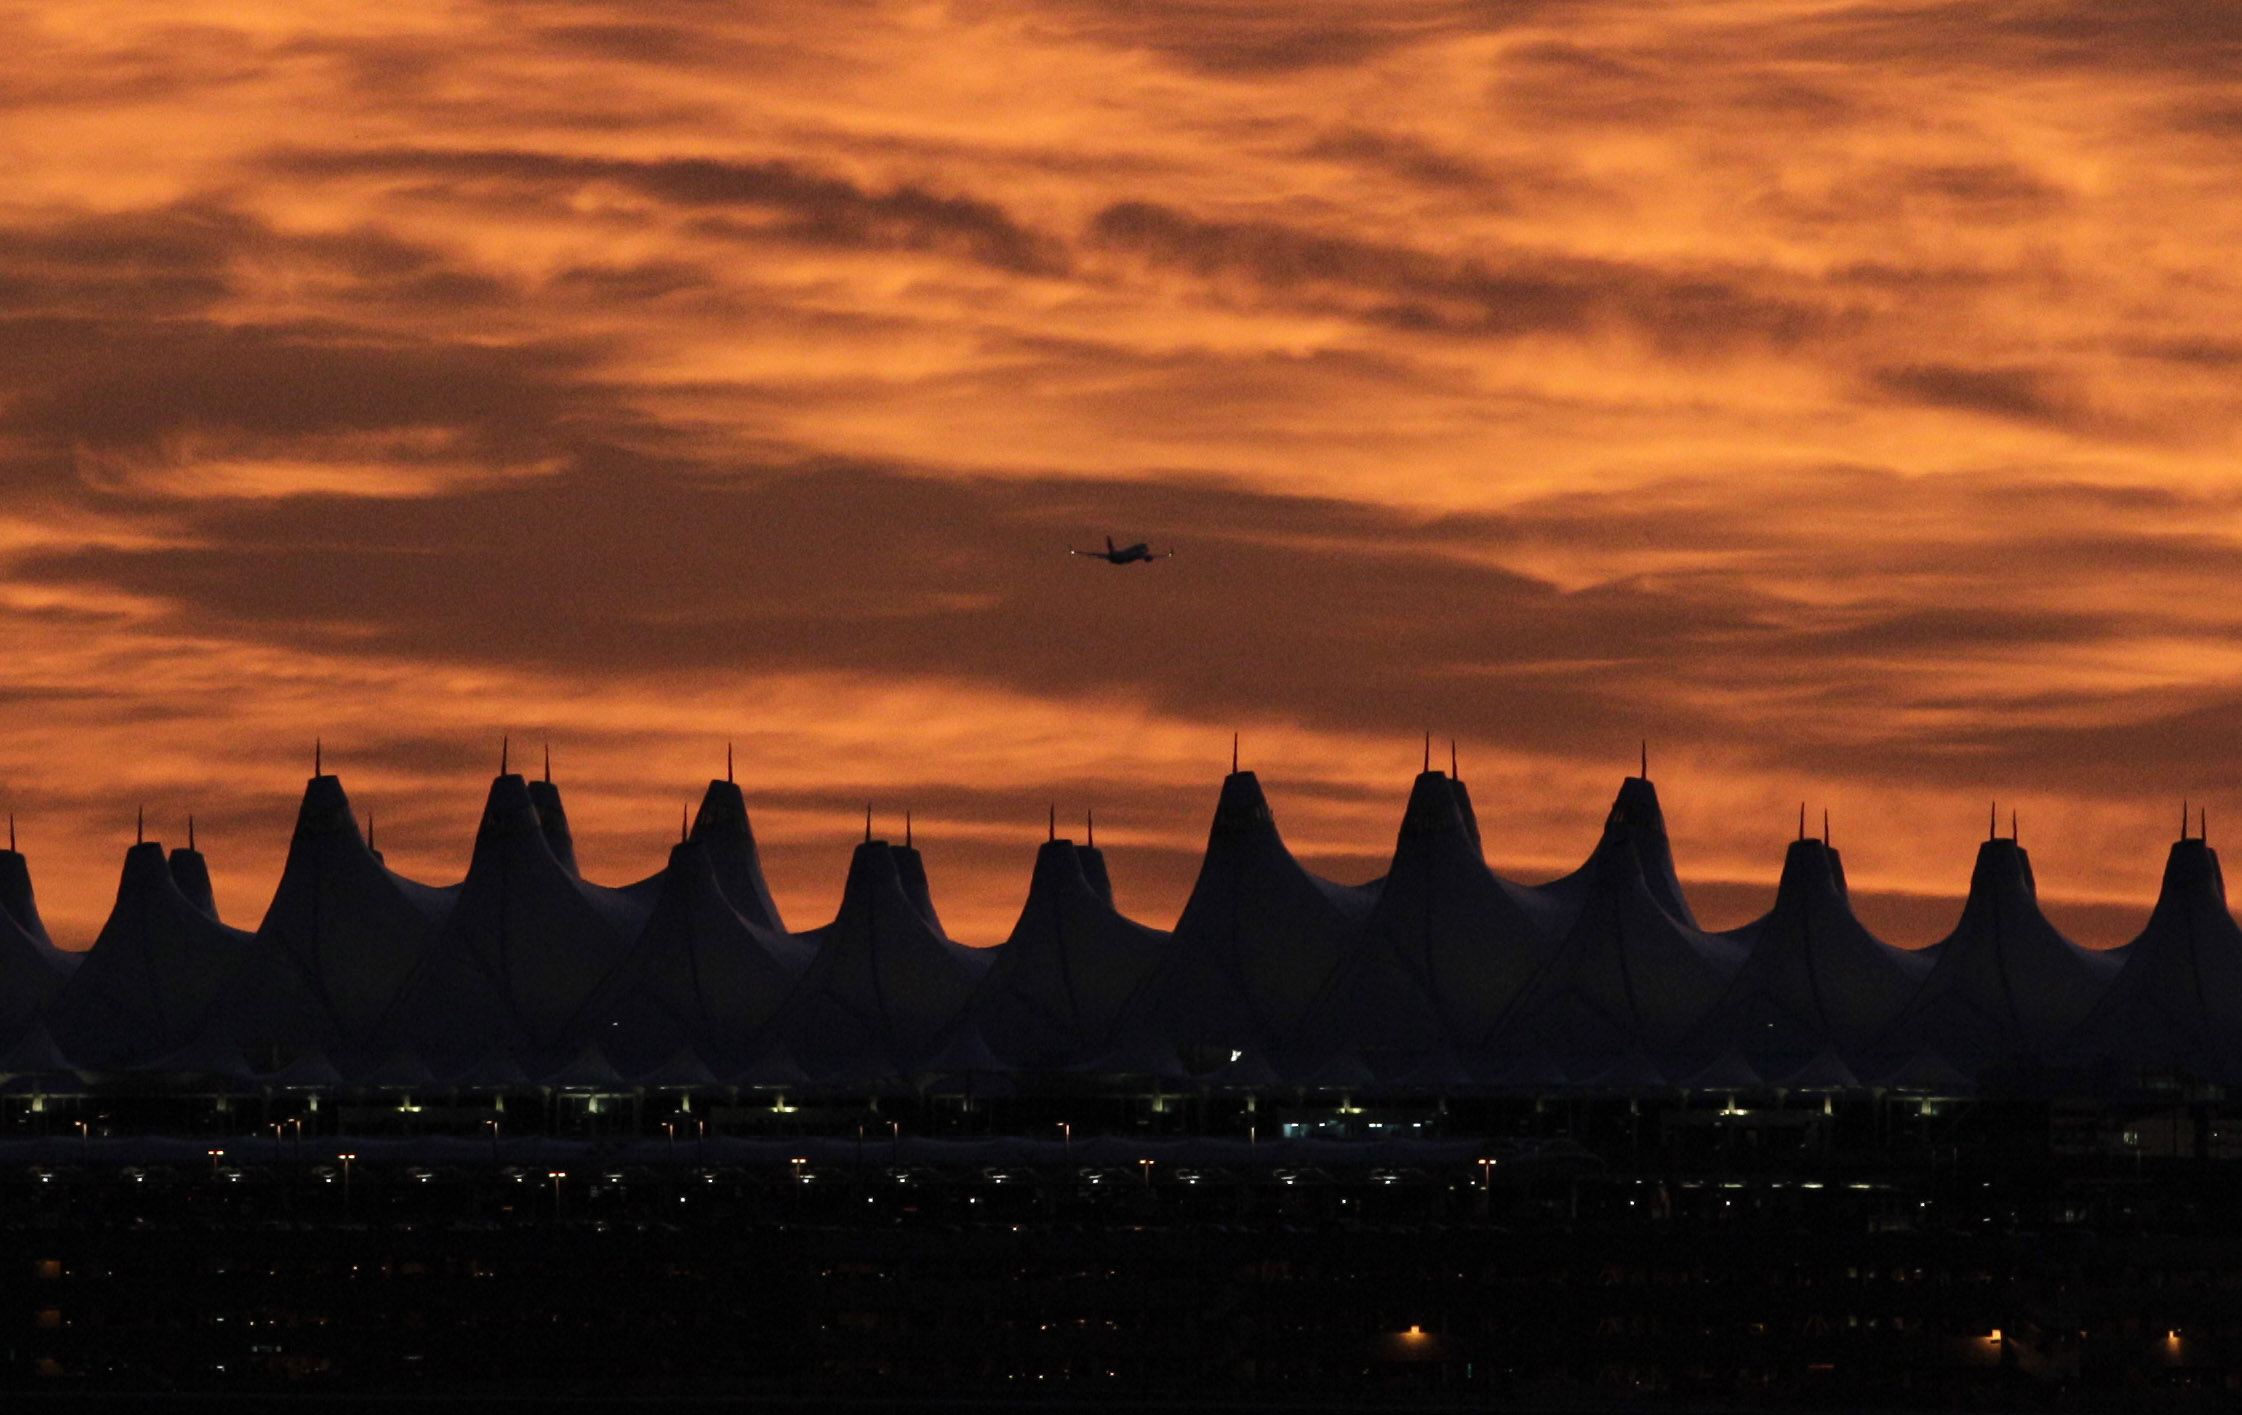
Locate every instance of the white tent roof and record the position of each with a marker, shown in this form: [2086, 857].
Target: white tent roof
[147, 987]
[698, 974]
[1060, 982]
[1258, 940]
[1813, 976]
[884, 983]
[2177, 998]
[1448, 947]
[32, 969]
[340, 941]
[525, 944]
[2006, 985]
[1630, 975]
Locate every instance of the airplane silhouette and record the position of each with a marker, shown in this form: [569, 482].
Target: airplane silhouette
[1127, 554]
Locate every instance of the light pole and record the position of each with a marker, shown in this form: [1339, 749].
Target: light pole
[1068, 1131]
[493, 1140]
[85, 1142]
[556, 1175]
[215, 1156]
[346, 1159]
[669, 1131]
[1145, 1168]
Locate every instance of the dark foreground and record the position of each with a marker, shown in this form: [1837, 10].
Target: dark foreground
[880, 1276]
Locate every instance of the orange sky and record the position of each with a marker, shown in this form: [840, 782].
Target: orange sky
[1844, 396]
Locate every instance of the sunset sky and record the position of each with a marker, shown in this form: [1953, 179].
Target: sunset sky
[1844, 397]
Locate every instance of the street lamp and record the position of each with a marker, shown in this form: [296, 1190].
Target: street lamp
[346, 1159]
[215, 1156]
[85, 1142]
[556, 1175]
[1068, 1131]
[1145, 1168]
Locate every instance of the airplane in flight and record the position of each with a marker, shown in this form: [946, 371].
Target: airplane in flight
[1126, 555]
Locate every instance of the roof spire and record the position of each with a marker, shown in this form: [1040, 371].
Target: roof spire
[1090, 825]
[318, 752]
[548, 761]
[1825, 827]
[1993, 820]
[1054, 822]
[140, 826]
[505, 744]
[867, 822]
[11, 831]
[190, 830]
[684, 831]
[369, 827]
[906, 829]
[727, 761]
[1452, 759]
[1428, 751]
[1646, 759]
[2012, 825]
[1233, 754]
[1802, 820]
[2183, 818]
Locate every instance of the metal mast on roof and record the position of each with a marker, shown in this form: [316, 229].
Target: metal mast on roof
[190, 830]
[505, 747]
[1090, 826]
[727, 761]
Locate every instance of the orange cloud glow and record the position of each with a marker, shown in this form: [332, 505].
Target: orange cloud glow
[1843, 396]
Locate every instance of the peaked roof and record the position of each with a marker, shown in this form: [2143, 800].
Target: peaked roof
[191, 872]
[722, 829]
[525, 944]
[697, 975]
[340, 941]
[1258, 940]
[2177, 998]
[2006, 986]
[1813, 976]
[552, 817]
[1449, 945]
[1630, 973]
[1637, 825]
[147, 987]
[1061, 980]
[32, 969]
[885, 981]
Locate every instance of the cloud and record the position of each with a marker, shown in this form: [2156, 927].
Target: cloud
[816, 208]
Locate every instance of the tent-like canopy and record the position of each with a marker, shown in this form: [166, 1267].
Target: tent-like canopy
[2005, 986]
[340, 941]
[521, 951]
[698, 975]
[2177, 999]
[1446, 950]
[1258, 940]
[1814, 978]
[32, 969]
[884, 982]
[148, 986]
[1633, 974]
[1059, 983]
